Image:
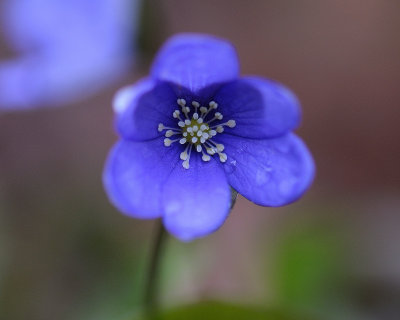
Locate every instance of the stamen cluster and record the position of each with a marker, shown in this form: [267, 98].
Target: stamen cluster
[196, 132]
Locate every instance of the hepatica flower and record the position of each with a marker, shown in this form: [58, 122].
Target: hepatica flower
[66, 49]
[193, 129]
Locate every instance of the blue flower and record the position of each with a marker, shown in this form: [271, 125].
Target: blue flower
[193, 129]
[67, 49]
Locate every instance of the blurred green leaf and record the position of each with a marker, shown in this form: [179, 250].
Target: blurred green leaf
[309, 268]
[222, 311]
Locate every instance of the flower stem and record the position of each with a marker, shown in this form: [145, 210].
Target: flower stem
[151, 289]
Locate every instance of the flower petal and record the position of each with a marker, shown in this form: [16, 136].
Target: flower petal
[196, 201]
[196, 61]
[66, 50]
[134, 174]
[271, 172]
[261, 108]
[141, 107]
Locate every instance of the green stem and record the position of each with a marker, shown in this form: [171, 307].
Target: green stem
[151, 289]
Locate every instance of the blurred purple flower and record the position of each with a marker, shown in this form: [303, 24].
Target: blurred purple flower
[192, 129]
[68, 49]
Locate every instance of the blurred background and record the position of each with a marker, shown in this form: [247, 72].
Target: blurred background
[66, 253]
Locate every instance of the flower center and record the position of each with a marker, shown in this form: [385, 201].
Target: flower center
[196, 131]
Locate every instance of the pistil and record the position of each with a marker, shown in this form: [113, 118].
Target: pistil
[195, 131]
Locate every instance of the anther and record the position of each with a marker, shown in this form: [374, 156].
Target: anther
[231, 123]
[218, 115]
[183, 155]
[203, 110]
[168, 142]
[195, 132]
[222, 157]
[210, 151]
[176, 114]
[181, 102]
[213, 105]
[170, 133]
[185, 164]
[205, 157]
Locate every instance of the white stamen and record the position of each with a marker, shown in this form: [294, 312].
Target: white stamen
[185, 164]
[205, 157]
[195, 104]
[210, 151]
[222, 157]
[220, 147]
[231, 123]
[184, 153]
[168, 142]
[170, 133]
[176, 115]
[213, 105]
[181, 102]
[195, 132]
[218, 115]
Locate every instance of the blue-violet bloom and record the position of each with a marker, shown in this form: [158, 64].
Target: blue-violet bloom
[66, 49]
[193, 129]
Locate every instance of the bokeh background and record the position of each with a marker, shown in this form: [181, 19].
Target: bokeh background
[66, 253]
